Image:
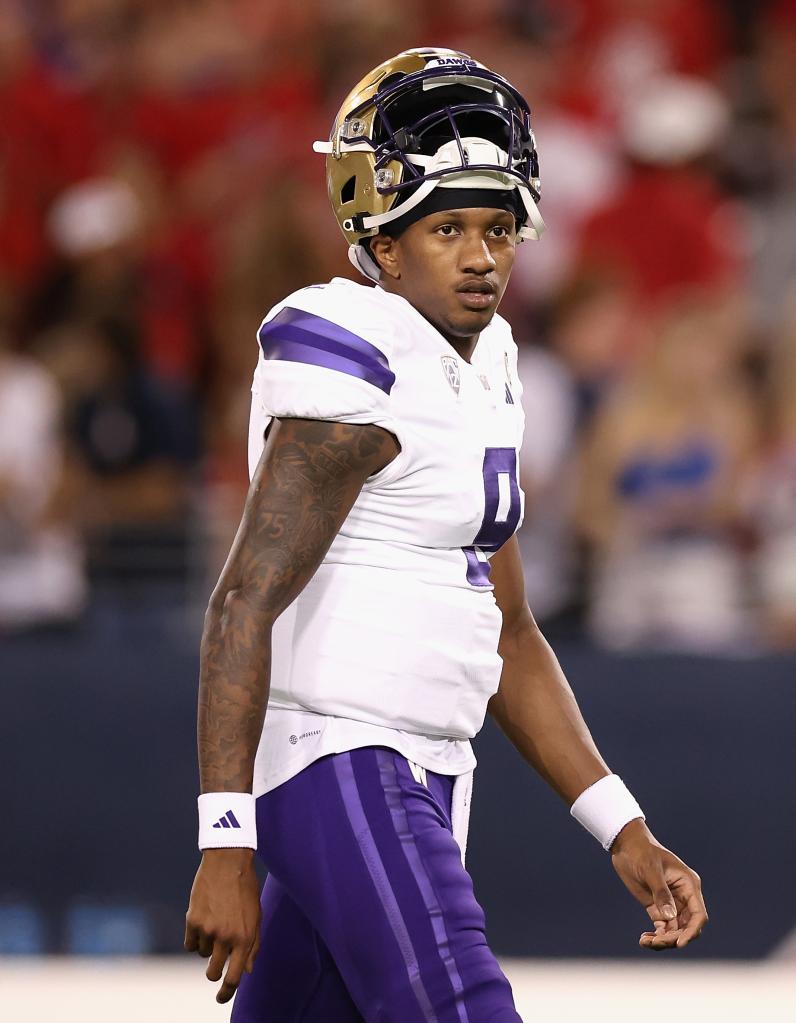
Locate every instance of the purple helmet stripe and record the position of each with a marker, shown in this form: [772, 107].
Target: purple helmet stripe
[295, 335]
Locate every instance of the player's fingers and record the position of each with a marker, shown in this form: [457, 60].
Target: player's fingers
[253, 951]
[653, 945]
[648, 936]
[205, 947]
[687, 936]
[659, 940]
[697, 918]
[191, 940]
[662, 913]
[663, 906]
[237, 962]
[216, 965]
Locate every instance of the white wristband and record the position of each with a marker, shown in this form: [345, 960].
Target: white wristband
[227, 821]
[604, 809]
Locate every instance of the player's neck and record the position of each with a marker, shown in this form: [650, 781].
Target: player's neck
[464, 347]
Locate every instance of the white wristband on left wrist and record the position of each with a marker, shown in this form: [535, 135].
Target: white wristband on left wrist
[227, 820]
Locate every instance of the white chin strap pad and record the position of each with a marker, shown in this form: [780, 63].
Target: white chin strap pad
[360, 257]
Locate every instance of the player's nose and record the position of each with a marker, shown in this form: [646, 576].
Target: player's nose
[476, 256]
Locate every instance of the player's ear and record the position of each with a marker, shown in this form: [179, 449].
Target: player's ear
[385, 253]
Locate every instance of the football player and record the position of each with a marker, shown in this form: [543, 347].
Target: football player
[375, 586]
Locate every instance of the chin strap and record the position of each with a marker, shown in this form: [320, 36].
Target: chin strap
[535, 228]
[360, 257]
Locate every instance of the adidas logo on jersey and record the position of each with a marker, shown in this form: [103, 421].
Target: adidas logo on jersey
[229, 820]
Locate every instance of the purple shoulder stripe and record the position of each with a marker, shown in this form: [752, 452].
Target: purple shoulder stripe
[295, 335]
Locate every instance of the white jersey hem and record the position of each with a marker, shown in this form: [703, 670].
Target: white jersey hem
[294, 739]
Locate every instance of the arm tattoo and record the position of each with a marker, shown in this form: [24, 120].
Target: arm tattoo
[308, 478]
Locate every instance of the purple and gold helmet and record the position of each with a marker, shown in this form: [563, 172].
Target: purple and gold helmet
[427, 118]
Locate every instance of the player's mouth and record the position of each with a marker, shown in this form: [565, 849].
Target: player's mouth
[477, 294]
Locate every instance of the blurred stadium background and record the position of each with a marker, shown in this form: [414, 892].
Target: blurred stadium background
[158, 194]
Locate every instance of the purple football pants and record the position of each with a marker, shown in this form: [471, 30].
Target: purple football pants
[368, 913]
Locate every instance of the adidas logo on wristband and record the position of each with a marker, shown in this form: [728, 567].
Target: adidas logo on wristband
[229, 820]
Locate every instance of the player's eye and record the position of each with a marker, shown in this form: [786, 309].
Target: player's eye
[500, 231]
[447, 230]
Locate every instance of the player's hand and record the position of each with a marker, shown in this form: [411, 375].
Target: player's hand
[669, 890]
[223, 918]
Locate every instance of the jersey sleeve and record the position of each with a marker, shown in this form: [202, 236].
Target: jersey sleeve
[320, 359]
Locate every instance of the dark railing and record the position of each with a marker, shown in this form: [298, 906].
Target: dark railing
[98, 761]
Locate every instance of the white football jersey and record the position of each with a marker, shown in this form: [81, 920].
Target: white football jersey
[398, 628]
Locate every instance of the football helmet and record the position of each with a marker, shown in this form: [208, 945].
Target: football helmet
[427, 118]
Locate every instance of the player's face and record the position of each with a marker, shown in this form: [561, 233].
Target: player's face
[454, 267]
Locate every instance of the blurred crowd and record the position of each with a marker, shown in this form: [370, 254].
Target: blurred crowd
[158, 193]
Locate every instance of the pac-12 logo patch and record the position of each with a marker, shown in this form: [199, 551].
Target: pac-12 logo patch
[450, 366]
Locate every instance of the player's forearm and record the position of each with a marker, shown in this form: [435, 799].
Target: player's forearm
[233, 692]
[537, 710]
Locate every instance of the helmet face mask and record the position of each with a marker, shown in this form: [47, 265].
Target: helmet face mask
[425, 119]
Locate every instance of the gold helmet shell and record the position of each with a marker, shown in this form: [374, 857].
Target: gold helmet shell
[424, 118]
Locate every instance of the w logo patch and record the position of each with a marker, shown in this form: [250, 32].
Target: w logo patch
[229, 820]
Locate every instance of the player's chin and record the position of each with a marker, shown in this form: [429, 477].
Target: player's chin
[466, 322]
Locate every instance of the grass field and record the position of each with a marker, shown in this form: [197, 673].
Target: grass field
[564, 991]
